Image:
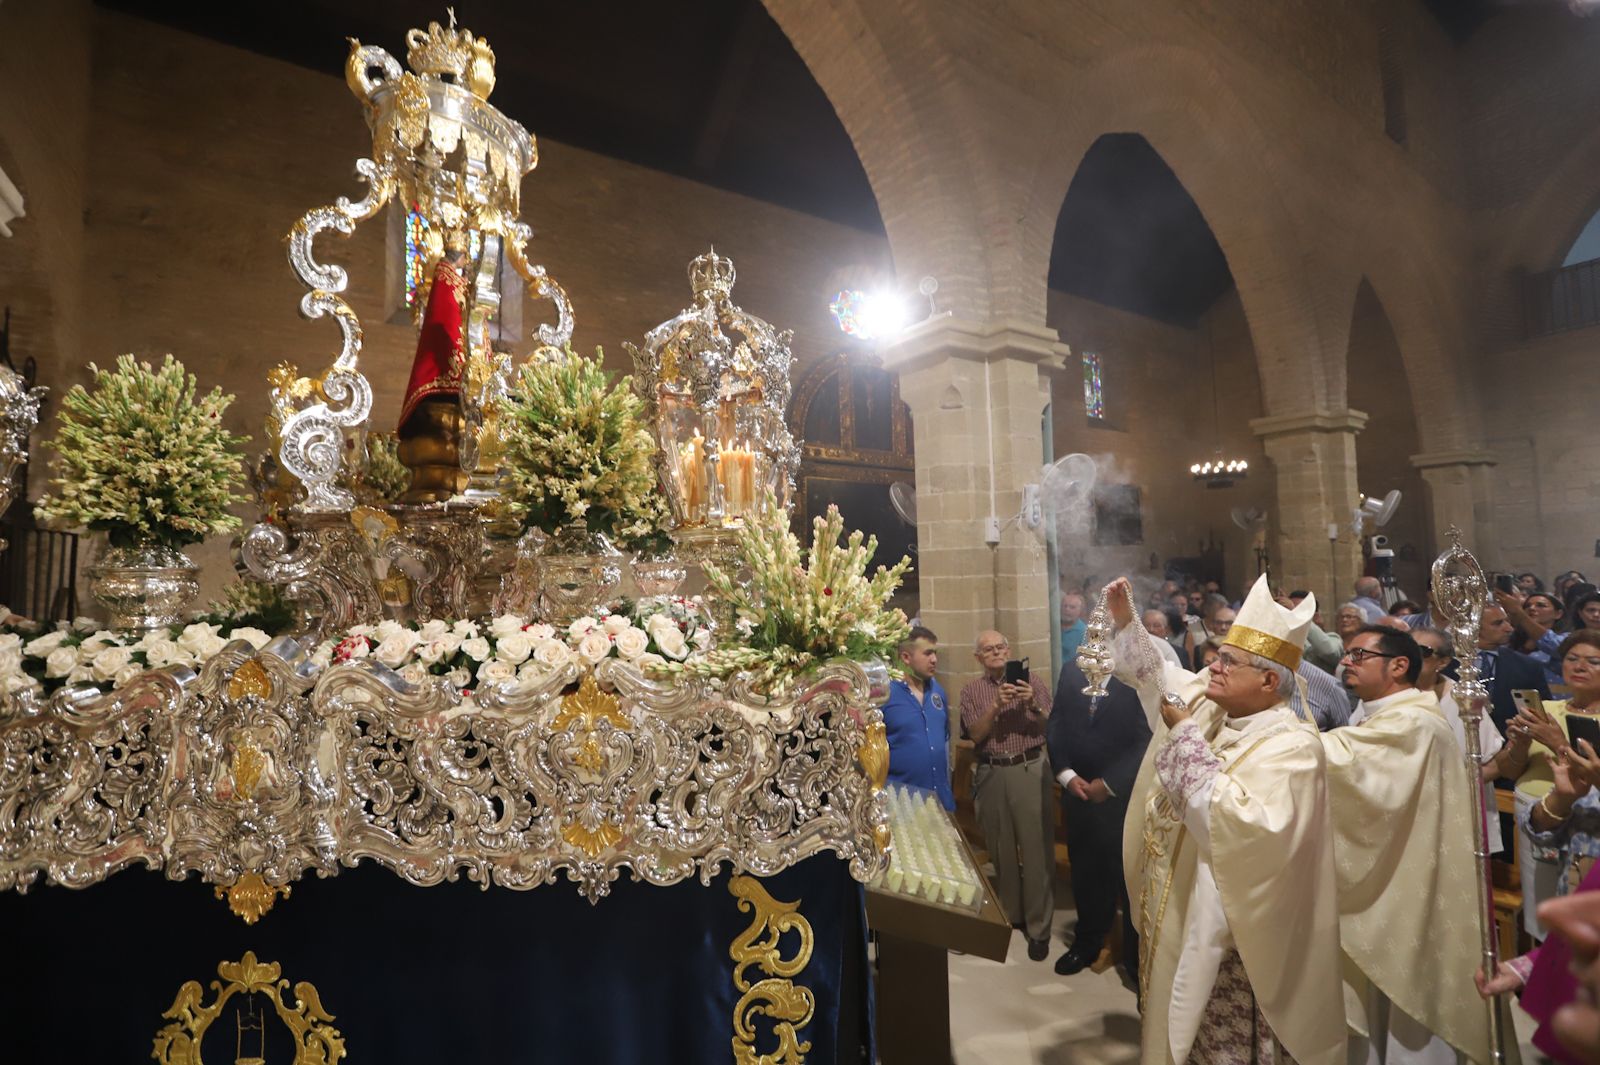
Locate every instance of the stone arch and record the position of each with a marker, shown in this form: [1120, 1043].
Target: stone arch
[902, 134]
[1203, 131]
[1544, 227]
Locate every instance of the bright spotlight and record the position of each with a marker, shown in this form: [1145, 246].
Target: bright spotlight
[869, 315]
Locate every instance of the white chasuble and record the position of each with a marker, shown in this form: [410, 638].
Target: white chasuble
[1236, 856]
[1402, 818]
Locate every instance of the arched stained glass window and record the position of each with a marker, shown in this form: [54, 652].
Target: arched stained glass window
[1094, 400]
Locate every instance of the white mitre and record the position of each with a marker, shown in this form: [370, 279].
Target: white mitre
[1263, 627]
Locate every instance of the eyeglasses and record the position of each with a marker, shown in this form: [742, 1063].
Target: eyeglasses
[1227, 664]
[1358, 655]
[1432, 652]
[1575, 659]
[991, 648]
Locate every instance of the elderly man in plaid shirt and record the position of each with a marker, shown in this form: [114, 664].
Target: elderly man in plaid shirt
[1011, 788]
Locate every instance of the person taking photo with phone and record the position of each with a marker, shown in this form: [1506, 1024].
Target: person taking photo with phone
[1552, 724]
[1003, 712]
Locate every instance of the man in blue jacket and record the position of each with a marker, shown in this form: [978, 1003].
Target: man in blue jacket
[917, 720]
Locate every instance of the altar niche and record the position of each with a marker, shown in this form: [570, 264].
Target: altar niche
[857, 442]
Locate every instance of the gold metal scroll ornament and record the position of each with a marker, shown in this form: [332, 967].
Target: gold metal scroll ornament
[315, 1041]
[789, 1005]
[590, 830]
[250, 896]
[874, 758]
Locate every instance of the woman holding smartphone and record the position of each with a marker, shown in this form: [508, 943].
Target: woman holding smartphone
[1550, 727]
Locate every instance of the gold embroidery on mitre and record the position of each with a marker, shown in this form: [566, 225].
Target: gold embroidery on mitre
[789, 1005]
[316, 1042]
[1257, 642]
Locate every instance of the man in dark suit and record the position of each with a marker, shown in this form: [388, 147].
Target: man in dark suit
[1096, 754]
[1503, 669]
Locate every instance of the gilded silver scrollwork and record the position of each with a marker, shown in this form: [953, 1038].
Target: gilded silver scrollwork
[262, 767]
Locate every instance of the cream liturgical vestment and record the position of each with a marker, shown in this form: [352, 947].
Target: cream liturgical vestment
[1238, 870]
[1402, 817]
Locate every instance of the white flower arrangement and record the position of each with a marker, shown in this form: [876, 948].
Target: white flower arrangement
[510, 648]
[577, 452]
[803, 607]
[82, 654]
[143, 458]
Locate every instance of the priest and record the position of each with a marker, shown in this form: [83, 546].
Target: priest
[1228, 849]
[1402, 825]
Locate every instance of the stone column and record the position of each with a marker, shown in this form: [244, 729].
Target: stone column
[1314, 458]
[977, 396]
[1460, 494]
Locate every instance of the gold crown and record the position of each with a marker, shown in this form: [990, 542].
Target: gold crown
[711, 273]
[441, 51]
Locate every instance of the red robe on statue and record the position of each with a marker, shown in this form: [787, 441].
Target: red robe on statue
[441, 351]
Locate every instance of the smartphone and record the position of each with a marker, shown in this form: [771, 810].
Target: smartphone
[1527, 699]
[1505, 583]
[1580, 727]
[1017, 671]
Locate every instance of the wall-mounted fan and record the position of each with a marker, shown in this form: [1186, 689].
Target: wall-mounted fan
[903, 498]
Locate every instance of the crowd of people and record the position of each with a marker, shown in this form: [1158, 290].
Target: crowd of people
[1226, 788]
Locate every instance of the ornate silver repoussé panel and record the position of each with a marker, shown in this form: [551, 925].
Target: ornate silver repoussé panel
[259, 767]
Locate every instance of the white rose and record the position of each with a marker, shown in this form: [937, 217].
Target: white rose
[253, 636]
[476, 648]
[16, 682]
[656, 624]
[361, 630]
[432, 629]
[552, 654]
[514, 647]
[459, 677]
[531, 670]
[208, 646]
[632, 642]
[541, 632]
[10, 639]
[465, 629]
[84, 626]
[10, 660]
[449, 644]
[43, 645]
[671, 642]
[394, 648]
[197, 638]
[109, 660]
[649, 660]
[615, 623]
[431, 653]
[504, 626]
[593, 647]
[162, 652]
[126, 674]
[415, 673]
[388, 628]
[60, 662]
[80, 674]
[322, 657]
[581, 628]
[92, 645]
[701, 639]
[496, 671]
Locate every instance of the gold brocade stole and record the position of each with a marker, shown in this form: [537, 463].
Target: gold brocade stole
[1164, 833]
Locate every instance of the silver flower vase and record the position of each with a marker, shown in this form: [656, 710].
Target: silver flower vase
[144, 586]
[578, 572]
